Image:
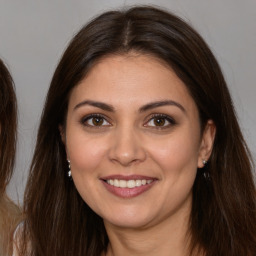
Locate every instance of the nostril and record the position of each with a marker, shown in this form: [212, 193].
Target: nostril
[126, 148]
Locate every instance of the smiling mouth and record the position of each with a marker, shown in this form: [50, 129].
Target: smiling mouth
[128, 183]
[128, 186]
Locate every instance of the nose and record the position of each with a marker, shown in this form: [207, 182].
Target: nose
[126, 147]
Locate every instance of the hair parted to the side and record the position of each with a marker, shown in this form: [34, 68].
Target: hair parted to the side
[223, 217]
[9, 212]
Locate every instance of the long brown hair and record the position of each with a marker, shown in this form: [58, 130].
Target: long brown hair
[8, 124]
[9, 212]
[223, 217]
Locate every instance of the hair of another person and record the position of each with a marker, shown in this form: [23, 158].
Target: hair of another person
[9, 212]
[8, 125]
[223, 216]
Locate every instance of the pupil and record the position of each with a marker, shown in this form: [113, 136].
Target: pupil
[97, 121]
[159, 121]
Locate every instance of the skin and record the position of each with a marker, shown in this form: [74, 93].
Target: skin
[164, 142]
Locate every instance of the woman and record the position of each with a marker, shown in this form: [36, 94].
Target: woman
[9, 212]
[139, 151]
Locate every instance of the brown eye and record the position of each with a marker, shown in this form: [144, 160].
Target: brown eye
[159, 121]
[95, 121]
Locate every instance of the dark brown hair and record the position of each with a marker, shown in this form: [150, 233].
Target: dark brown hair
[9, 212]
[223, 217]
[8, 125]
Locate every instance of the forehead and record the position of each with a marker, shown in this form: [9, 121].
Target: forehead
[131, 79]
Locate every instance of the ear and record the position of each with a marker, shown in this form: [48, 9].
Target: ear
[62, 134]
[207, 141]
[63, 137]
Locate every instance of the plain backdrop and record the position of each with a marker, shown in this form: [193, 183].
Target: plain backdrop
[34, 34]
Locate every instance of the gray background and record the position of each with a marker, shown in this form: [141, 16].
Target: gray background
[34, 33]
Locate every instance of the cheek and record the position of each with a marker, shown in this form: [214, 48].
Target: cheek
[177, 160]
[176, 154]
[85, 154]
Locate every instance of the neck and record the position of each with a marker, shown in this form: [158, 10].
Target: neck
[169, 235]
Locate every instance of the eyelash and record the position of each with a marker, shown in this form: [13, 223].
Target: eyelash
[166, 118]
[85, 120]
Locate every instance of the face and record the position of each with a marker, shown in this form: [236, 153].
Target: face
[134, 142]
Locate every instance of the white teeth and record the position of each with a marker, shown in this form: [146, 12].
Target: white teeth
[116, 183]
[128, 183]
[122, 184]
[138, 183]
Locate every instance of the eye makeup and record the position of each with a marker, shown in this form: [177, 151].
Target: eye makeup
[156, 121]
[160, 121]
[95, 120]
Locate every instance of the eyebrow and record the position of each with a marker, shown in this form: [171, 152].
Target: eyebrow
[96, 104]
[161, 103]
[144, 108]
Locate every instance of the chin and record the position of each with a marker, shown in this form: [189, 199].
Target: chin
[128, 220]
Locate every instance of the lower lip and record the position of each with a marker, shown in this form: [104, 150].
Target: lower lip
[128, 192]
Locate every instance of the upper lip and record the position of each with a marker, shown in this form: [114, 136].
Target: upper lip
[127, 177]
